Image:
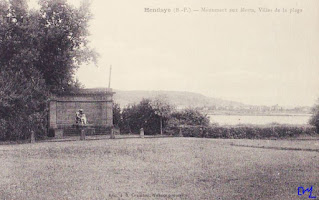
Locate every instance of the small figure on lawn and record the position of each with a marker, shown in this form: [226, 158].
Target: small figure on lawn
[80, 117]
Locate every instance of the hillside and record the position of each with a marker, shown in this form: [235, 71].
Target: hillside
[179, 99]
[191, 99]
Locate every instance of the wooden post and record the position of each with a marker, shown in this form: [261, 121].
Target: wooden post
[161, 125]
[180, 132]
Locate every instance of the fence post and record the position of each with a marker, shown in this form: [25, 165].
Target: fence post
[32, 139]
[142, 133]
[180, 132]
[112, 133]
[201, 132]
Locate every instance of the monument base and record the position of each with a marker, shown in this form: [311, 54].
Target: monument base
[82, 135]
[58, 133]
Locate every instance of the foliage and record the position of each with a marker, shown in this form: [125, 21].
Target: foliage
[244, 131]
[140, 116]
[22, 105]
[63, 42]
[117, 116]
[189, 116]
[162, 109]
[155, 116]
[161, 106]
[315, 116]
[39, 53]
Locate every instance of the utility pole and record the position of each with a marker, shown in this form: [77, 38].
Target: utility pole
[112, 128]
[110, 76]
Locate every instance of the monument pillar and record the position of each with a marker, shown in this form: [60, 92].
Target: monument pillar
[52, 114]
[109, 111]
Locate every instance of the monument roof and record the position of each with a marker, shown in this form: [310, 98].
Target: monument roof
[86, 92]
[95, 91]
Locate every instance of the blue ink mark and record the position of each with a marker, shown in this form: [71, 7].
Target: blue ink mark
[302, 191]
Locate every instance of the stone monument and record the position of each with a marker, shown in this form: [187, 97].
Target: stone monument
[98, 107]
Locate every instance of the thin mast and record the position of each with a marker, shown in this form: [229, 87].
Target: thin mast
[110, 76]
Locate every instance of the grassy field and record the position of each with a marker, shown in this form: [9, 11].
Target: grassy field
[159, 168]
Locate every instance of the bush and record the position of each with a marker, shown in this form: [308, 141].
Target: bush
[117, 116]
[22, 105]
[244, 131]
[140, 116]
[314, 120]
[189, 117]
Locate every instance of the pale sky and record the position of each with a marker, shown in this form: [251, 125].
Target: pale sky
[255, 58]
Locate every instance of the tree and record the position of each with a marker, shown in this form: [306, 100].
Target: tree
[117, 116]
[139, 116]
[63, 42]
[191, 117]
[53, 40]
[162, 108]
[22, 105]
[23, 93]
[314, 120]
[127, 115]
[39, 53]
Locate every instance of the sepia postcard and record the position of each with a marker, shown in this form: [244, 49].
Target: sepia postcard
[149, 99]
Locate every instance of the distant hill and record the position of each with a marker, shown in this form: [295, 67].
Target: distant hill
[191, 99]
[179, 99]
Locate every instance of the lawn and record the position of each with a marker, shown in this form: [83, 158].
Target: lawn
[159, 168]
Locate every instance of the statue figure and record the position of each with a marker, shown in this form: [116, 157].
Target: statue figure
[80, 117]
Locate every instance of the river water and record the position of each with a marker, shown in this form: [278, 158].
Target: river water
[248, 119]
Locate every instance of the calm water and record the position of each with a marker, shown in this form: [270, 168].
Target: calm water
[238, 119]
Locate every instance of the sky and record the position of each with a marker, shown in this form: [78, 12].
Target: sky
[261, 58]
